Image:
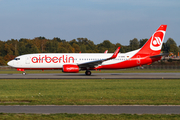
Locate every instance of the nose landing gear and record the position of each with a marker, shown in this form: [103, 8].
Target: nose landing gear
[88, 72]
[19, 69]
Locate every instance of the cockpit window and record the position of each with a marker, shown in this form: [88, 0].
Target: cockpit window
[16, 58]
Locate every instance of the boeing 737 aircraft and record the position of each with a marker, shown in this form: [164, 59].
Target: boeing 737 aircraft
[75, 62]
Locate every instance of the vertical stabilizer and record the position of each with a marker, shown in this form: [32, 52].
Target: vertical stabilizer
[154, 44]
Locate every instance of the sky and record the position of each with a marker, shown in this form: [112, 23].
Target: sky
[118, 21]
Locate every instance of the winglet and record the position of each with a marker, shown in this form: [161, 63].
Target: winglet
[106, 51]
[115, 53]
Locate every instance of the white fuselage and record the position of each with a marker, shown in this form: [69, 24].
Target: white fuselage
[57, 60]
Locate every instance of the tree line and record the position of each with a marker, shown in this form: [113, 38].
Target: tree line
[11, 48]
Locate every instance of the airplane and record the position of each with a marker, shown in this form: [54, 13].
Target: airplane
[75, 62]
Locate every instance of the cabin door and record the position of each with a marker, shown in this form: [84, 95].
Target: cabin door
[27, 60]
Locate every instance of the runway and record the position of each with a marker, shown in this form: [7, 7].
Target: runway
[93, 76]
[92, 109]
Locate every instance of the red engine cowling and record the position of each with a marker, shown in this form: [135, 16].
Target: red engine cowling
[70, 68]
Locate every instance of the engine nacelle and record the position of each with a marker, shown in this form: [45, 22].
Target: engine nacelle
[68, 68]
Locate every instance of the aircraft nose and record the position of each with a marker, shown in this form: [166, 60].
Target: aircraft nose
[11, 63]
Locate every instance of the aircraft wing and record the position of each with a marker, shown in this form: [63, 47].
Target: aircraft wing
[97, 62]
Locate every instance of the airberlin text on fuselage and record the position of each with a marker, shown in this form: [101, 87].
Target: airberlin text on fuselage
[55, 59]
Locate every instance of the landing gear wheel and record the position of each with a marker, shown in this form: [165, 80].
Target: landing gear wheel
[88, 72]
[23, 73]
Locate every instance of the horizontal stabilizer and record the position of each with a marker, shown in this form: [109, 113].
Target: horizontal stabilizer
[160, 55]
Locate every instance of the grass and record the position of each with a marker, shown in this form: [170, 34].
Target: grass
[89, 92]
[132, 70]
[4, 116]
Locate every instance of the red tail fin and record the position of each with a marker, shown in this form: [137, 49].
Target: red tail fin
[154, 44]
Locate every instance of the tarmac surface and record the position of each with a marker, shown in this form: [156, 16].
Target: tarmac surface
[92, 109]
[93, 76]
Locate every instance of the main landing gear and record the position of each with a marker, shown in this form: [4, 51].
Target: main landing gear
[24, 73]
[88, 72]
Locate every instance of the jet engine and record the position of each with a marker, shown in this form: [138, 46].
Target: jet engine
[68, 68]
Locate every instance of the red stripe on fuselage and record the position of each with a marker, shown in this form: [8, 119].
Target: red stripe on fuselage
[130, 63]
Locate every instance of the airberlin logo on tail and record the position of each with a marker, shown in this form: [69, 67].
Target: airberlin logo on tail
[157, 40]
